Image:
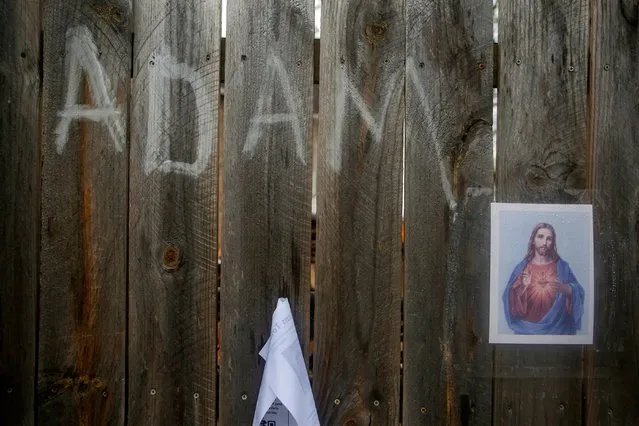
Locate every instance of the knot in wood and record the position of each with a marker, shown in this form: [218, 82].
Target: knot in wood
[171, 258]
[376, 31]
[110, 13]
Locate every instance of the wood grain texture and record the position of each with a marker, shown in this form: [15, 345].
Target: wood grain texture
[357, 313]
[449, 186]
[267, 188]
[612, 373]
[19, 207]
[541, 156]
[173, 228]
[84, 212]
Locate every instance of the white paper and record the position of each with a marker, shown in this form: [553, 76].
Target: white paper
[285, 379]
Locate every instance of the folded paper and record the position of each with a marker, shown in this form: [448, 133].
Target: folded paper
[285, 397]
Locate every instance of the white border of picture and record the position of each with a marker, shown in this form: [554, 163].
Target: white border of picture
[508, 248]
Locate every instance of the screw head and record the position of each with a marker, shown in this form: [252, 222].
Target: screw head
[376, 403]
[244, 397]
[196, 395]
[423, 410]
[153, 392]
[518, 61]
[606, 67]
[571, 68]
[482, 66]
[337, 401]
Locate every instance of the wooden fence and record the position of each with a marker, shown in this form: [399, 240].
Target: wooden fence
[120, 255]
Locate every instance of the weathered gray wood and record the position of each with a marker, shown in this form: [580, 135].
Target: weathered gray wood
[84, 211]
[449, 185]
[357, 315]
[612, 373]
[267, 188]
[19, 207]
[173, 229]
[541, 156]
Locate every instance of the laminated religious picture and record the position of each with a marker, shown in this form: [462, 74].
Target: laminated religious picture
[541, 274]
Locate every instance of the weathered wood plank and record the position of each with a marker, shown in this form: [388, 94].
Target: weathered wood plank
[612, 373]
[173, 229]
[267, 188]
[541, 156]
[87, 50]
[449, 186]
[19, 206]
[357, 315]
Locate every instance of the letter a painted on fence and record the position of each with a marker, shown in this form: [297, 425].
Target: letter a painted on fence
[82, 55]
[260, 118]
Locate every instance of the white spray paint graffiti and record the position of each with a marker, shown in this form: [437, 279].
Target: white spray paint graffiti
[411, 70]
[82, 55]
[375, 127]
[260, 118]
[478, 191]
[163, 66]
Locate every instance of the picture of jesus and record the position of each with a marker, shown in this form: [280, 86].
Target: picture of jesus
[541, 274]
[543, 296]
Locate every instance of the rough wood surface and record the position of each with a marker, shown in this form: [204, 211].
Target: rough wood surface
[357, 314]
[267, 188]
[541, 156]
[173, 228]
[19, 207]
[449, 187]
[612, 373]
[84, 213]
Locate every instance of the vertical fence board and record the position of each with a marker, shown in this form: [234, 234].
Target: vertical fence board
[267, 188]
[541, 158]
[19, 206]
[612, 374]
[173, 197]
[357, 315]
[84, 212]
[449, 174]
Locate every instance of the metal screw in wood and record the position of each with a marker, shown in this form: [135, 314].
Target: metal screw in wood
[153, 391]
[244, 397]
[376, 403]
[337, 401]
[423, 410]
[571, 68]
[196, 395]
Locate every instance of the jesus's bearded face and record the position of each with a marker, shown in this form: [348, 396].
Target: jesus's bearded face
[544, 242]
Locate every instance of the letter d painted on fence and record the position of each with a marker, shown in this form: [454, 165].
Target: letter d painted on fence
[163, 67]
